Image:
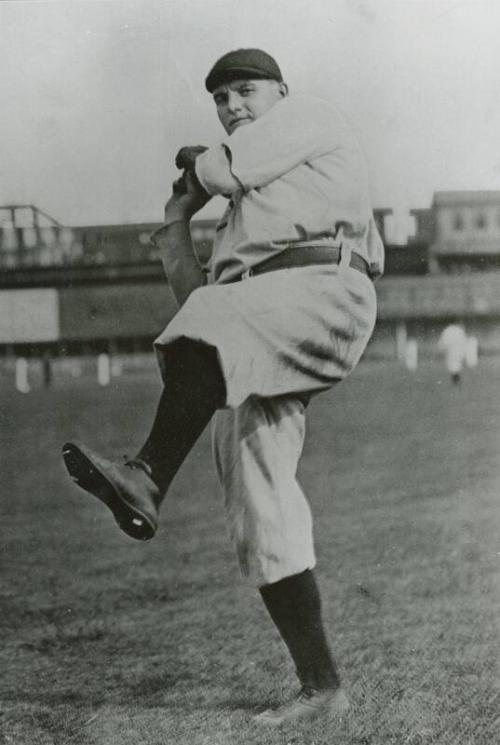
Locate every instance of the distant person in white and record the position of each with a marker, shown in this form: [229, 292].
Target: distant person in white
[453, 344]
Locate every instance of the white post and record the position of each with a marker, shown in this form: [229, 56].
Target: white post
[471, 351]
[22, 383]
[103, 369]
[401, 338]
[411, 355]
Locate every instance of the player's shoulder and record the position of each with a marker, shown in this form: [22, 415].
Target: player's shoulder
[316, 107]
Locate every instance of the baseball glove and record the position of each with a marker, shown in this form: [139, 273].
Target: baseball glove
[186, 157]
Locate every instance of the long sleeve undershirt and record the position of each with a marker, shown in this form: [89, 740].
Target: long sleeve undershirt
[181, 266]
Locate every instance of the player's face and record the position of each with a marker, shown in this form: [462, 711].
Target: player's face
[241, 102]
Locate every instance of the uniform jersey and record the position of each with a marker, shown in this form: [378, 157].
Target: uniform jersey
[295, 175]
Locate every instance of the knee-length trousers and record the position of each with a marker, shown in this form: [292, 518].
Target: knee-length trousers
[280, 337]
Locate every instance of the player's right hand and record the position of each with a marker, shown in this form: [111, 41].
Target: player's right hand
[188, 197]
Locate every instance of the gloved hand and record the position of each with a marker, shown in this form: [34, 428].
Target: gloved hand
[186, 157]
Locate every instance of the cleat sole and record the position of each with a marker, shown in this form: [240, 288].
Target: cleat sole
[89, 478]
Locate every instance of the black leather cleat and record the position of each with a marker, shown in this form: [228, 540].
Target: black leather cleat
[127, 489]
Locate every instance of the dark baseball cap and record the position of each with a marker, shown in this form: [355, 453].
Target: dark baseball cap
[243, 63]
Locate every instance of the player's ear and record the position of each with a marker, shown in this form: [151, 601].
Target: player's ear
[283, 89]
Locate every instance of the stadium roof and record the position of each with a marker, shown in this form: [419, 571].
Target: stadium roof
[465, 198]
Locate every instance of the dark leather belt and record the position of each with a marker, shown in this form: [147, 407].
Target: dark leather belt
[297, 256]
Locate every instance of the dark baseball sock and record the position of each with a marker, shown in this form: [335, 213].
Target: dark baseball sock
[194, 389]
[294, 605]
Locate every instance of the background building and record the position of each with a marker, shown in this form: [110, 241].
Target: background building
[71, 290]
[462, 231]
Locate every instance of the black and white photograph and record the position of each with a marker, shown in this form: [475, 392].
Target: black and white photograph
[250, 372]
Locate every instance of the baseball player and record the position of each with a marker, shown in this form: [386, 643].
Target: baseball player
[287, 313]
[453, 344]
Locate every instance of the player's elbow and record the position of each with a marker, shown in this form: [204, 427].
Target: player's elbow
[213, 170]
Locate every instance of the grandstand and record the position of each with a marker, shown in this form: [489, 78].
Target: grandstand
[73, 290]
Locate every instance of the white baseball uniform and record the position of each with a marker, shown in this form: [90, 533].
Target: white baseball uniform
[295, 176]
[453, 342]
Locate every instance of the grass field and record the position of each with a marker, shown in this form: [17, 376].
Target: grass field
[107, 641]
